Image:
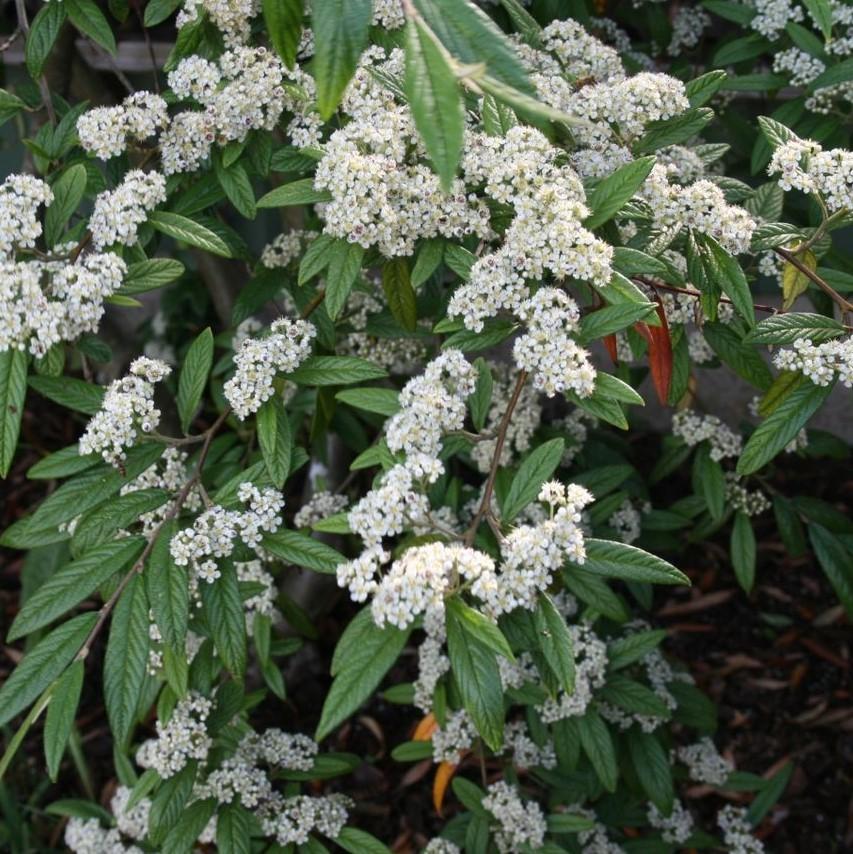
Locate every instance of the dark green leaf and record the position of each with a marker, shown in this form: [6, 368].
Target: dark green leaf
[534, 470]
[60, 716]
[13, 390]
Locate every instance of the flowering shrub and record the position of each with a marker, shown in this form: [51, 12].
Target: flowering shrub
[493, 225]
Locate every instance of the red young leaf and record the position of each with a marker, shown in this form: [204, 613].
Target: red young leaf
[660, 353]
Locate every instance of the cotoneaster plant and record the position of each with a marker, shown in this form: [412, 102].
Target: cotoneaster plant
[491, 225]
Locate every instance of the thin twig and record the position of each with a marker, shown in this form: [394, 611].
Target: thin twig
[485, 504]
[313, 305]
[139, 565]
[148, 44]
[653, 283]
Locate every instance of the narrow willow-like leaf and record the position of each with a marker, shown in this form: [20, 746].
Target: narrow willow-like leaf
[13, 390]
[61, 712]
[194, 372]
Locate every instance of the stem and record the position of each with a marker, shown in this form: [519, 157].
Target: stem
[836, 297]
[485, 504]
[313, 305]
[691, 293]
[139, 565]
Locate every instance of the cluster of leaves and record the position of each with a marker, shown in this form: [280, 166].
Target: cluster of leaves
[451, 52]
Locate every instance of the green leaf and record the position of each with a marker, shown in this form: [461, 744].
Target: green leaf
[399, 293]
[44, 30]
[101, 523]
[787, 328]
[619, 560]
[630, 262]
[358, 842]
[611, 193]
[344, 265]
[485, 630]
[300, 192]
[234, 180]
[283, 19]
[68, 192]
[613, 318]
[651, 763]
[42, 664]
[69, 392]
[555, 642]
[428, 258]
[701, 89]
[167, 805]
[363, 656]
[73, 583]
[821, 13]
[626, 650]
[341, 29]
[234, 821]
[383, 401]
[276, 440]
[336, 370]
[634, 697]
[60, 716]
[126, 659]
[223, 610]
[475, 671]
[534, 470]
[481, 400]
[709, 481]
[660, 134]
[90, 20]
[725, 272]
[471, 36]
[783, 424]
[189, 231]
[738, 355]
[193, 379]
[743, 551]
[775, 132]
[595, 593]
[148, 275]
[13, 390]
[836, 561]
[157, 11]
[184, 834]
[598, 746]
[167, 587]
[433, 94]
[302, 550]
[770, 794]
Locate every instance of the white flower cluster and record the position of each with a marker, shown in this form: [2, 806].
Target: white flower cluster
[383, 195]
[259, 359]
[286, 248]
[245, 91]
[595, 840]
[693, 428]
[45, 302]
[104, 131]
[772, 16]
[432, 405]
[86, 836]
[737, 831]
[388, 14]
[320, 506]
[131, 822]
[183, 737]
[118, 213]
[128, 407]
[531, 554]
[590, 653]
[677, 827]
[739, 498]
[516, 673]
[422, 576]
[233, 18]
[441, 846]
[581, 54]
[626, 521]
[547, 350]
[700, 206]
[526, 753]
[704, 762]
[822, 363]
[802, 66]
[804, 165]
[262, 602]
[20, 197]
[432, 662]
[291, 820]
[688, 24]
[520, 826]
[214, 532]
[546, 233]
[451, 741]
